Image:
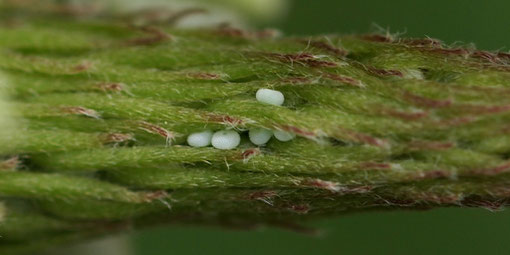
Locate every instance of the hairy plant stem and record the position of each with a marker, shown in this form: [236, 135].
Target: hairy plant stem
[95, 113]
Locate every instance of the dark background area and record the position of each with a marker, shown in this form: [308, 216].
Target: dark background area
[445, 231]
[441, 231]
[483, 22]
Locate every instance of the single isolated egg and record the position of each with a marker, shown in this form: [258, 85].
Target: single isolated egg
[225, 139]
[260, 136]
[269, 96]
[284, 136]
[200, 139]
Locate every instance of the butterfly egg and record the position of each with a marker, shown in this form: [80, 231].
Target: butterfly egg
[225, 139]
[260, 136]
[284, 136]
[200, 139]
[269, 96]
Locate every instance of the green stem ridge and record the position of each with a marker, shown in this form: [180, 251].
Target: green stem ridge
[93, 140]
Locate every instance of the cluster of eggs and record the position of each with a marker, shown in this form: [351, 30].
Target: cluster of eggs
[230, 139]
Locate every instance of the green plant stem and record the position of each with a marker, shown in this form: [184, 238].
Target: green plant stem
[95, 111]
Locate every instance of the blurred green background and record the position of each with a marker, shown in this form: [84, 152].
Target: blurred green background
[445, 231]
[485, 23]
